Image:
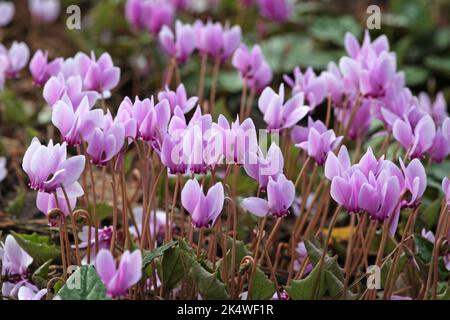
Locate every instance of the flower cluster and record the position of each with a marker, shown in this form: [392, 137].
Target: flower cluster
[376, 186]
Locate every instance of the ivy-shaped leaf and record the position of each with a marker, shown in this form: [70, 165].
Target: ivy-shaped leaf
[40, 276]
[38, 247]
[304, 289]
[425, 248]
[149, 256]
[172, 269]
[209, 285]
[336, 287]
[83, 284]
[263, 287]
[315, 253]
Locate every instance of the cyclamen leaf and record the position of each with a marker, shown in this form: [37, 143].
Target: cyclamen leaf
[172, 269]
[83, 284]
[330, 263]
[149, 256]
[263, 287]
[424, 247]
[304, 289]
[336, 287]
[209, 285]
[179, 262]
[38, 247]
[40, 276]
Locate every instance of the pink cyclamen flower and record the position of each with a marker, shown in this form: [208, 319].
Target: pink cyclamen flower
[437, 109]
[380, 197]
[204, 210]
[45, 11]
[369, 163]
[418, 139]
[119, 280]
[26, 293]
[446, 189]
[215, 41]
[56, 87]
[75, 123]
[185, 144]
[105, 141]
[48, 168]
[231, 41]
[278, 114]
[7, 11]
[239, 140]
[3, 169]
[337, 166]
[125, 117]
[319, 143]
[333, 81]
[149, 14]
[252, 67]
[135, 11]
[440, 148]
[346, 180]
[152, 120]
[277, 10]
[415, 181]
[161, 13]
[46, 201]
[100, 75]
[178, 98]
[302, 254]
[280, 197]
[15, 260]
[14, 59]
[172, 155]
[300, 134]
[41, 70]
[261, 167]
[313, 87]
[179, 44]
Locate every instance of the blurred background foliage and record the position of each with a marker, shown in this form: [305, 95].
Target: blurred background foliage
[418, 30]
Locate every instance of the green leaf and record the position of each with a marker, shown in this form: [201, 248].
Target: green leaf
[172, 269]
[149, 256]
[431, 212]
[330, 263]
[179, 262]
[14, 111]
[439, 64]
[230, 81]
[209, 285]
[83, 284]
[415, 75]
[263, 287]
[445, 295]
[103, 210]
[425, 248]
[16, 206]
[40, 276]
[304, 289]
[38, 247]
[336, 287]
[333, 29]
[387, 266]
